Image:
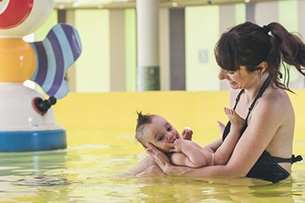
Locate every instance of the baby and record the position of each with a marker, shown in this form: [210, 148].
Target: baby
[156, 130]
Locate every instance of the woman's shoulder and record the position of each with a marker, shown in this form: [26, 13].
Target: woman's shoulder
[276, 96]
[275, 100]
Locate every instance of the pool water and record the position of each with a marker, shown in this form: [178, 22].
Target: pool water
[89, 171]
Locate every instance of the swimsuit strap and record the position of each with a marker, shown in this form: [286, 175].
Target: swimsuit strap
[238, 98]
[259, 94]
[296, 158]
[267, 158]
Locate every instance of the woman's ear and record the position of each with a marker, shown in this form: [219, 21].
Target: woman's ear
[262, 67]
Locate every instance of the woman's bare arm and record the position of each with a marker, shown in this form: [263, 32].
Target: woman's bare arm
[264, 124]
[225, 150]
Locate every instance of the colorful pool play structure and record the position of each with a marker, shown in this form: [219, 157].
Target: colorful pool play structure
[27, 121]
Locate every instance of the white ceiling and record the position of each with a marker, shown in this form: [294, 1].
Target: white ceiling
[98, 4]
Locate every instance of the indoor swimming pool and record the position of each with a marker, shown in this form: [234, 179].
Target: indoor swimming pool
[103, 147]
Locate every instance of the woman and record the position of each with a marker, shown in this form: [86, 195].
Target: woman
[250, 57]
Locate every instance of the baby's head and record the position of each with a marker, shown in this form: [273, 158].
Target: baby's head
[155, 129]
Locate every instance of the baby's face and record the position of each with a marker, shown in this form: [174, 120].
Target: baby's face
[159, 132]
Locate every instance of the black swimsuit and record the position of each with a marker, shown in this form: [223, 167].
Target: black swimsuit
[266, 167]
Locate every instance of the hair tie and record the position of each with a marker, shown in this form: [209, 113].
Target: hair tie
[266, 29]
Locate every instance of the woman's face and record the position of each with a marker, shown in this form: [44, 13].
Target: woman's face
[159, 132]
[240, 79]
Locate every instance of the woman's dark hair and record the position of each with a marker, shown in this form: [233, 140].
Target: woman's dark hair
[249, 44]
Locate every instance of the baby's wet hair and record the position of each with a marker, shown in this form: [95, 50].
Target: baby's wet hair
[141, 121]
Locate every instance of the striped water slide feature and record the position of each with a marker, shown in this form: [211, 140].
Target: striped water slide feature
[54, 55]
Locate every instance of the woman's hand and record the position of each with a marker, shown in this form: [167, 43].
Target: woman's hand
[164, 162]
[160, 158]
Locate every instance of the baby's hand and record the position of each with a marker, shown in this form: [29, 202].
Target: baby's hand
[187, 133]
[177, 145]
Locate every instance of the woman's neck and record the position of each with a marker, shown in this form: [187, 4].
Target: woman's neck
[254, 90]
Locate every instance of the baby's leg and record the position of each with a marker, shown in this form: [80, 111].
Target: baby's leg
[235, 119]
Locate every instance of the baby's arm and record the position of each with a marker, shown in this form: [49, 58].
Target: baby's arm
[188, 153]
[223, 153]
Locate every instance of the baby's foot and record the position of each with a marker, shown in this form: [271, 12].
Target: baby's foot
[221, 126]
[235, 119]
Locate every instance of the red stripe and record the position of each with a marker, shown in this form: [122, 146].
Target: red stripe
[15, 13]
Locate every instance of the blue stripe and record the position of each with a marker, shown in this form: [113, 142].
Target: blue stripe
[65, 46]
[25, 141]
[59, 70]
[51, 64]
[74, 41]
[63, 90]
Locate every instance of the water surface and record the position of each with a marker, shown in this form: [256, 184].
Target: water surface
[88, 171]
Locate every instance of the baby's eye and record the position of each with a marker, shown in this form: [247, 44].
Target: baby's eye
[160, 137]
[169, 128]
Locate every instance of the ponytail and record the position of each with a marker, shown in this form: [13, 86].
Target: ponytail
[286, 48]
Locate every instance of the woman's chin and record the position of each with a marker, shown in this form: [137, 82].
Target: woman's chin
[234, 85]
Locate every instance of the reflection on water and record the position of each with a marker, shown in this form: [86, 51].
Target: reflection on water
[90, 173]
